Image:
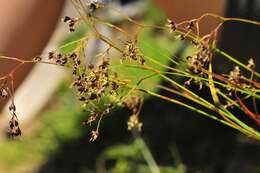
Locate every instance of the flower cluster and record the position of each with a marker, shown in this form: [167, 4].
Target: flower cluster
[134, 123]
[199, 62]
[236, 77]
[191, 26]
[200, 59]
[63, 59]
[132, 52]
[133, 103]
[71, 22]
[94, 135]
[171, 25]
[14, 129]
[94, 115]
[251, 64]
[93, 6]
[3, 92]
[92, 84]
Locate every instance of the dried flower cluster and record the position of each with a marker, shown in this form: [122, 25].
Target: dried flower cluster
[94, 115]
[235, 75]
[171, 25]
[134, 123]
[14, 129]
[133, 103]
[71, 22]
[3, 92]
[63, 59]
[132, 52]
[251, 64]
[236, 78]
[199, 64]
[94, 135]
[93, 6]
[93, 82]
[203, 54]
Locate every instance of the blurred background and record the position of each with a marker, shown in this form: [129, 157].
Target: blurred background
[173, 139]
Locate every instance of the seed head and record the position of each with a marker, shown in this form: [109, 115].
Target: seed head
[94, 135]
[171, 25]
[133, 123]
[3, 92]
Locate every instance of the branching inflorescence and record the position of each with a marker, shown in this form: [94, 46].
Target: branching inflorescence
[95, 83]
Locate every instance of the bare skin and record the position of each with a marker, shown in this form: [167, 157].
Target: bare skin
[25, 29]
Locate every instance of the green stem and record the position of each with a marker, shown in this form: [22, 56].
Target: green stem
[235, 61]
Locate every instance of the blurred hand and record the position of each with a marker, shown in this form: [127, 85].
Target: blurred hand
[26, 26]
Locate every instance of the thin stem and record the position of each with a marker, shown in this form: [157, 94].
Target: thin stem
[235, 61]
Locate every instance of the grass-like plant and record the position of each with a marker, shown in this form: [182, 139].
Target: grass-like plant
[102, 87]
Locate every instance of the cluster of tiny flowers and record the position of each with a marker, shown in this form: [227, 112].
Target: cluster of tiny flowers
[200, 59]
[14, 129]
[251, 64]
[198, 62]
[37, 59]
[235, 77]
[94, 115]
[92, 84]
[94, 135]
[132, 52]
[71, 22]
[134, 123]
[191, 26]
[202, 56]
[93, 6]
[3, 92]
[92, 118]
[58, 58]
[133, 104]
[171, 25]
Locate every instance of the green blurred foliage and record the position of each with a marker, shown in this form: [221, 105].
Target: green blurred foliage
[128, 158]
